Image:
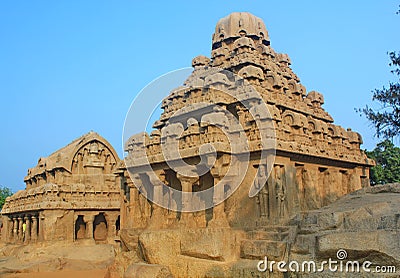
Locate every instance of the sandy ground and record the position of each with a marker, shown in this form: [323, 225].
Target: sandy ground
[56, 259]
[98, 273]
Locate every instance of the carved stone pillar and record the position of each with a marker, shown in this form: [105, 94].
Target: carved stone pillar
[111, 228]
[158, 191]
[34, 228]
[42, 234]
[15, 227]
[140, 205]
[158, 182]
[157, 216]
[172, 218]
[219, 216]
[124, 209]
[89, 225]
[9, 235]
[20, 232]
[133, 214]
[28, 229]
[187, 189]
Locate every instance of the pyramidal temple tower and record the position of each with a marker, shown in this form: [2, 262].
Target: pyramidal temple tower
[240, 152]
[315, 160]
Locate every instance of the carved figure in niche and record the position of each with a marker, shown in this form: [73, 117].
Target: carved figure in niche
[80, 163]
[310, 195]
[280, 190]
[300, 186]
[85, 156]
[103, 157]
[94, 152]
[94, 148]
[262, 198]
[107, 163]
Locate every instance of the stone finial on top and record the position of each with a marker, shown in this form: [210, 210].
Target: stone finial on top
[240, 24]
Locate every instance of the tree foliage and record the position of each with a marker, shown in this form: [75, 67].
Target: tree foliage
[387, 169]
[386, 120]
[4, 193]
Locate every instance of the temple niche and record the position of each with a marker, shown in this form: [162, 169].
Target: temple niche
[70, 195]
[316, 160]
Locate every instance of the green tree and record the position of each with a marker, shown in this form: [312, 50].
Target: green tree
[4, 193]
[386, 120]
[387, 169]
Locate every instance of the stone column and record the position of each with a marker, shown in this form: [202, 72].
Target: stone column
[34, 228]
[111, 228]
[219, 216]
[20, 233]
[89, 226]
[28, 228]
[187, 189]
[125, 196]
[15, 229]
[42, 235]
[157, 180]
[139, 206]
[158, 192]
[133, 216]
[9, 232]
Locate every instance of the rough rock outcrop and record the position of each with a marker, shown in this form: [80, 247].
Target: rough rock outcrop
[365, 223]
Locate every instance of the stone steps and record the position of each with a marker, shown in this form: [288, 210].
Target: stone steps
[265, 240]
[268, 240]
[258, 249]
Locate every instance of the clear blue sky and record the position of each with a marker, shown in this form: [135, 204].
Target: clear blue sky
[68, 67]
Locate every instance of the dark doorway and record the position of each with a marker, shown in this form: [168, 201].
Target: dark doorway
[80, 228]
[100, 227]
[117, 225]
